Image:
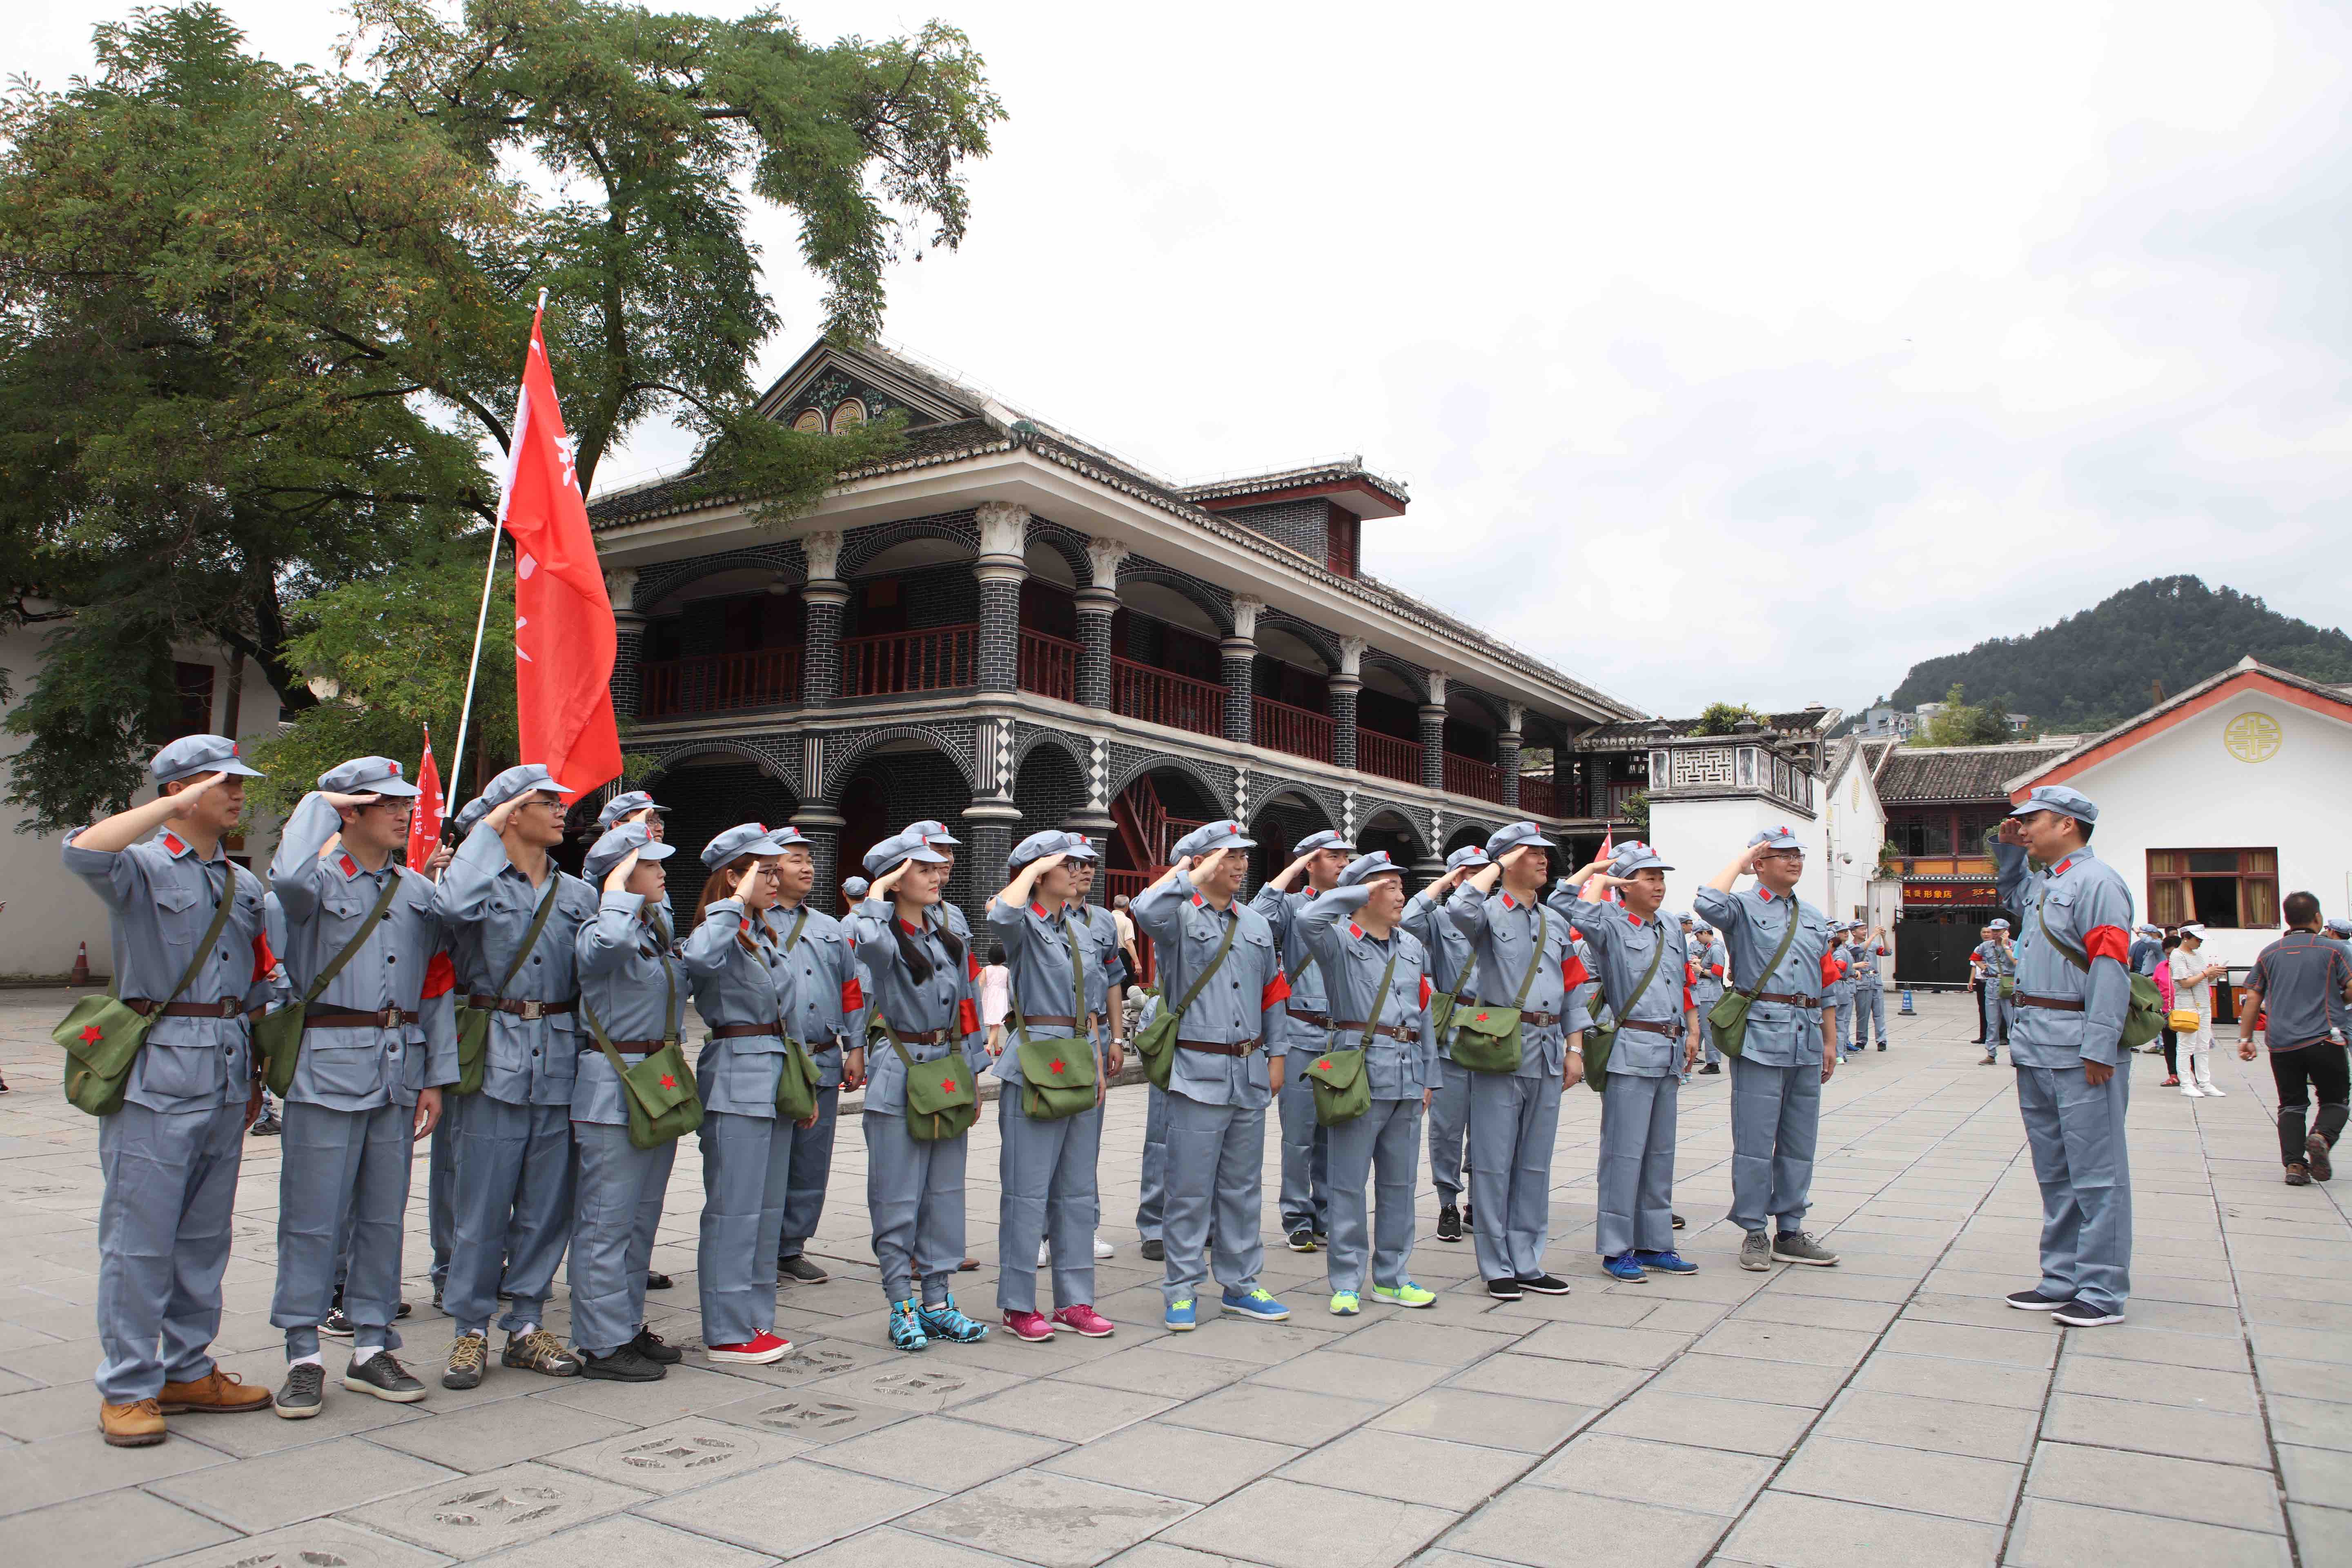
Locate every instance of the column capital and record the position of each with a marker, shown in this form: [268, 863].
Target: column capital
[621, 586]
[1097, 599]
[991, 810]
[1103, 558]
[1245, 613]
[1436, 680]
[822, 551]
[1003, 529]
[1351, 656]
[1516, 718]
[819, 815]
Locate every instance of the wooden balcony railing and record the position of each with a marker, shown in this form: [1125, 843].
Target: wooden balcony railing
[1619, 794]
[1156, 697]
[769, 678]
[1388, 756]
[1468, 775]
[941, 659]
[1279, 727]
[1538, 796]
[1049, 667]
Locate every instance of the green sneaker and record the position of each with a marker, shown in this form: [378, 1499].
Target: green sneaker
[1405, 1295]
[1345, 1304]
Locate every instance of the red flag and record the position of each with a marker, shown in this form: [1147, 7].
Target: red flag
[1592, 892]
[564, 637]
[424, 827]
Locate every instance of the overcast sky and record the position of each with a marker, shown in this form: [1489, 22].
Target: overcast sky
[1729, 350]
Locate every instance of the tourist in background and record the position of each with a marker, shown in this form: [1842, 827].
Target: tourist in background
[2192, 986]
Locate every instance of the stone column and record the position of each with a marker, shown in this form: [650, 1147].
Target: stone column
[1506, 752]
[821, 825]
[1432, 733]
[629, 639]
[1001, 566]
[1239, 651]
[824, 599]
[987, 843]
[1344, 686]
[1098, 601]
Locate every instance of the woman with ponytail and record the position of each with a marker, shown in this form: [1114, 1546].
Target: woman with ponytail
[917, 979]
[744, 990]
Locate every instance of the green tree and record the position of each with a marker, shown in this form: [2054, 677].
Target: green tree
[1636, 810]
[1961, 723]
[258, 323]
[1717, 718]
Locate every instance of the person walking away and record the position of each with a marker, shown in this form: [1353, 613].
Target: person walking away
[2193, 985]
[1779, 949]
[2300, 984]
[191, 953]
[1450, 973]
[2072, 997]
[1302, 1029]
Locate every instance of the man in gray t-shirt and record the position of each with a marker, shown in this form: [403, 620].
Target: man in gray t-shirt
[2301, 985]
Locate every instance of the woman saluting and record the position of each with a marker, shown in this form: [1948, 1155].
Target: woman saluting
[743, 989]
[917, 980]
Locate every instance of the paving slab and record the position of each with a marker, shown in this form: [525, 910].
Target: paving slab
[1051, 1519]
[1288, 1524]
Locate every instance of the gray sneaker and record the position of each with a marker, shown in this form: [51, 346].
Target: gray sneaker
[1755, 1252]
[1796, 1247]
[301, 1397]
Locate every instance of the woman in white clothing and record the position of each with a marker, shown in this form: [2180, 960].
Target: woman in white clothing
[2192, 988]
[995, 997]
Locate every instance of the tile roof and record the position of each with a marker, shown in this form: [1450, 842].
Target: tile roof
[1296, 478]
[1808, 723]
[1916, 774]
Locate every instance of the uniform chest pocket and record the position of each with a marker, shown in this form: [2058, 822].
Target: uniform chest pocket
[177, 900]
[345, 905]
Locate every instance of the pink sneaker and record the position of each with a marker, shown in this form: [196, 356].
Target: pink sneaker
[1085, 1320]
[759, 1352]
[1029, 1326]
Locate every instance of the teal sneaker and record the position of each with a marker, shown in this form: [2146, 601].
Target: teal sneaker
[1178, 1319]
[1408, 1294]
[1345, 1304]
[946, 1322]
[1257, 1303]
[906, 1327]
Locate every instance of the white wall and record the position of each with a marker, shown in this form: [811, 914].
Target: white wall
[1699, 837]
[48, 912]
[2183, 789]
[1853, 828]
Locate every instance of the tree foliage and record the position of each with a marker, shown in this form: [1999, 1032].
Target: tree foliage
[2097, 669]
[1959, 722]
[1717, 718]
[258, 323]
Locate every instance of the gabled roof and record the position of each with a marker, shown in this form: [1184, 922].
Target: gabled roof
[1922, 776]
[2247, 675]
[1346, 483]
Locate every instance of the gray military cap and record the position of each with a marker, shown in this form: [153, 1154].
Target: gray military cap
[1052, 841]
[615, 845]
[191, 756]
[2058, 798]
[743, 838]
[367, 775]
[622, 804]
[1364, 867]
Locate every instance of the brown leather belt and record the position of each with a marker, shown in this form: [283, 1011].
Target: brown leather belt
[347, 1018]
[921, 1037]
[1219, 1047]
[2055, 1003]
[1788, 1000]
[1304, 1017]
[1048, 1019]
[754, 1031]
[226, 1007]
[1669, 1030]
[1539, 1019]
[527, 1011]
[1394, 1031]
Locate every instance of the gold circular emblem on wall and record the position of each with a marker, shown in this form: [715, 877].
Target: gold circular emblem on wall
[2251, 737]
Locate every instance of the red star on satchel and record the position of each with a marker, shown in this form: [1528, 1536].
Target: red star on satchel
[1325, 1065]
[948, 1084]
[669, 1081]
[90, 1035]
[1058, 1069]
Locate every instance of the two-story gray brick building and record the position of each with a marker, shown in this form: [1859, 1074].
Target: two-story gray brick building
[1006, 629]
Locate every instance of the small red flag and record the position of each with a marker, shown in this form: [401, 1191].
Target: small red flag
[564, 636]
[425, 825]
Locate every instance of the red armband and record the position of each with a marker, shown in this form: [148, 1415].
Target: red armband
[264, 960]
[2108, 941]
[1573, 973]
[1277, 990]
[966, 1018]
[440, 976]
[852, 995]
[1832, 969]
[971, 963]
[1427, 990]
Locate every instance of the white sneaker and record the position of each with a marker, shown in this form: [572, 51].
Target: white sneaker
[1045, 1253]
[1102, 1248]
[2210, 1090]
[2192, 1091]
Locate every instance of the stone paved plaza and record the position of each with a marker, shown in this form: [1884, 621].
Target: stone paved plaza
[1889, 1411]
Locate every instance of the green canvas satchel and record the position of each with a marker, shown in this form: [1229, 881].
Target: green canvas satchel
[1728, 1016]
[102, 1036]
[2143, 1019]
[474, 1022]
[1488, 1038]
[2008, 987]
[1156, 1041]
[796, 1082]
[1058, 1075]
[278, 1038]
[942, 1101]
[1600, 1039]
[1343, 1088]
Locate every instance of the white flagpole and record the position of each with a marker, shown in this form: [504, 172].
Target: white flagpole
[489, 580]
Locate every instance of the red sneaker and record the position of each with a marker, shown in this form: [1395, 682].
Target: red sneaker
[1084, 1319]
[1029, 1326]
[757, 1351]
[2172, 1083]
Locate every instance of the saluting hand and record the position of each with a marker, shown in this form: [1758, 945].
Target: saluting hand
[616, 880]
[886, 881]
[183, 804]
[339, 800]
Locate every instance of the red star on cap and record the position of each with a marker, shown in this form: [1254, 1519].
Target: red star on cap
[90, 1035]
[395, 770]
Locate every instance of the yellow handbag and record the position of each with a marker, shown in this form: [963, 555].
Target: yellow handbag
[2184, 1020]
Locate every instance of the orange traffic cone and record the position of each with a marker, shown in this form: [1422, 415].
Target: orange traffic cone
[81, 965]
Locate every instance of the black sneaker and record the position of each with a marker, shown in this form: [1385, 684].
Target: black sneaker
[2082, 1315]
[2035, 1302]
[1881, 1045]
[1155, 1250]
[1544, 1284]
[1449, 1223]
[801, 1270]
[303, 1395]
[336, 1325]
[655, 1348]
[1678, 1221]
[401, 1312]
[436, 1300]
[1466, 1226]
[627, 1365]
[467, 1358]
[1302, 1239]
[383, 1377]
[1504, 1289]
[656, 1282]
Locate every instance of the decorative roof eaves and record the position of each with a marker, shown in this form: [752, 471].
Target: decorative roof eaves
[2249, 665]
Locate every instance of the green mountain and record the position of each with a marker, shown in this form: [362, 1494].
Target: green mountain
[2093, 669]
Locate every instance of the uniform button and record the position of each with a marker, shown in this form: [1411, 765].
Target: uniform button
[535, 959]
[392, 958]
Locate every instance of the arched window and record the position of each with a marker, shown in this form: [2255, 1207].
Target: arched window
[847, 414]
[809, 423]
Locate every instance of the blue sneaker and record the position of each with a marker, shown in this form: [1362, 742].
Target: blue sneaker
[1667, 1262]
[1622, 1268]
[906, 1327]
[945, 1322]
[1178, 1319]
[1257, 1303]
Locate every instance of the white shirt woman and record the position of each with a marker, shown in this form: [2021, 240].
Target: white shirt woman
[2192, 986]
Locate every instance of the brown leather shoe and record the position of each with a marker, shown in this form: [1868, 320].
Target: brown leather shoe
[217, 1393]
[2296, 1176]
[2314, 1156]
[138, 1425]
